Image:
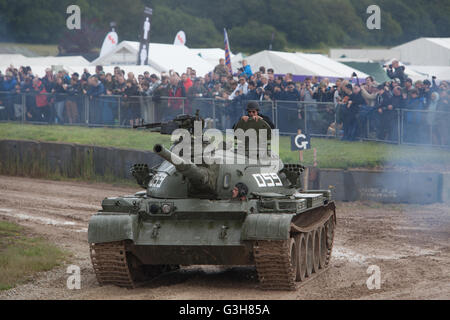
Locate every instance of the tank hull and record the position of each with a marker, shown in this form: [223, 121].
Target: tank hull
[208, 235]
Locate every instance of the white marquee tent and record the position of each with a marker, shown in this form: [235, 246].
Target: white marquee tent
[425, 52]
[340, 68]
[162, 57]
[422, 51]
[301, 64]
[39, 64]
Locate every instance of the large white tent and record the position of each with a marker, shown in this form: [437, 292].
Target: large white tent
[39, 64]
[427, 72]
[422, 51]
[425, 52]
[340, 68]
[301, 64]
[162, 57]
[212, 55]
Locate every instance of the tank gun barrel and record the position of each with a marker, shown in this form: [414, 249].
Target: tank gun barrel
[196, 175]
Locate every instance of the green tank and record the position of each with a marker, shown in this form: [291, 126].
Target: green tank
[218, 214]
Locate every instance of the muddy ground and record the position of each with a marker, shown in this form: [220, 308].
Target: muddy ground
[409, 243]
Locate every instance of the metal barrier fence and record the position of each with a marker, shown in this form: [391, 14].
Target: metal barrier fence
[401, 126]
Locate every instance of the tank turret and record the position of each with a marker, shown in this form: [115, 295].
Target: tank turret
[199, 177]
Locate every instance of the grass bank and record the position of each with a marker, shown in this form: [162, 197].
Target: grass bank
[22, 256]
[330, 153]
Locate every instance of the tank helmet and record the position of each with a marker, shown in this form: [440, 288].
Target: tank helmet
[242, 190]
[252, 106]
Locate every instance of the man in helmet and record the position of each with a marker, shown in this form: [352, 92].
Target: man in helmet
[240, 192]
[253, 112]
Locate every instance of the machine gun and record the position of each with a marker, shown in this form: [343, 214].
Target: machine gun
[183, 121]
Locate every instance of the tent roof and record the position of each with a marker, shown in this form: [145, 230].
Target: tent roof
[20, 60]
[301, 64]
[164, 57]
[285, 62]
[372, 68]
[441, 73]
[340, 68]
[442, 42]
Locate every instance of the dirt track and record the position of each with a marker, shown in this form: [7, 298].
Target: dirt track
[409, 243]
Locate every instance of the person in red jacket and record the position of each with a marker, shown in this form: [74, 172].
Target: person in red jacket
[176, 90]
[41, 111]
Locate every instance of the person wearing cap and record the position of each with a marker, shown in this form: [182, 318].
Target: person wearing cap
[253, 113]
[239, 192]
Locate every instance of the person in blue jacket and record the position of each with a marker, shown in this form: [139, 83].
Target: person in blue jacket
[247, 70]
[7, 89]
[95, 90]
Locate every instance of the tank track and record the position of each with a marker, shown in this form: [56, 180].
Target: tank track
[110, 264]
[276, 270]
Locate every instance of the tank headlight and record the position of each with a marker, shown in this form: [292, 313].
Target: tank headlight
[166, 208]
[154, 209]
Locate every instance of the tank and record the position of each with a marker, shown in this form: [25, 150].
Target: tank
[218, 214]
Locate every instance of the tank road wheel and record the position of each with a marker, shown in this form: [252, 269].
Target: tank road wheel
[316, 250]
[276, 263]
[301, 255]
[323, 247]
[309, 254]
[330, 237]
[293, 256]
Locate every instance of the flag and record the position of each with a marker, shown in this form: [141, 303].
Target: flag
[144, 46]
[227, 52]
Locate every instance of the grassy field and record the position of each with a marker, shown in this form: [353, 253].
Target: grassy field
[37, 49]
[330, 153]
[22, 256]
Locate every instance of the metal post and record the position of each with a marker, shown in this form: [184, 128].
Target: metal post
[214, 113]
[399, 127]
[431, 128]
[306, 119]
[183, 105]
[402, 120]
[273, 111]
[335, 123]
[277, 112]
[87, 109]
[119, 111]
[24, 107]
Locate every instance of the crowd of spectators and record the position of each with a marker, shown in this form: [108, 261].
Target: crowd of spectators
[345, 108]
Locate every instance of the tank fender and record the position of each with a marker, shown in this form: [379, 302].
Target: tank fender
[267, 227]
[112, 227]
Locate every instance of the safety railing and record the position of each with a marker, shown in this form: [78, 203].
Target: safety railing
[399, 126]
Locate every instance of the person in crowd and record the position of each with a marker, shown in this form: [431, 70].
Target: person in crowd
[384, 113]
[95, 90]
[246, 70]
[59, 96]
[352, 103]
[221, 69]
[395, 71]
[176, 91]
[414, 118]
[73, 100]
[40, 111]
[130, 103]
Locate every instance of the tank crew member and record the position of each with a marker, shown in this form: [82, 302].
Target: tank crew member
[253, 112]
[240, 192]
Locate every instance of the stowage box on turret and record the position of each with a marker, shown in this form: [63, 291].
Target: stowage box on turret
[217, 214]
